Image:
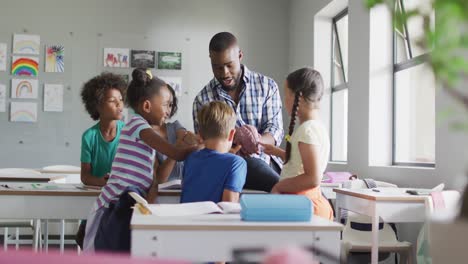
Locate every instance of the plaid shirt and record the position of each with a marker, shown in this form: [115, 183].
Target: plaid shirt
[259, 105]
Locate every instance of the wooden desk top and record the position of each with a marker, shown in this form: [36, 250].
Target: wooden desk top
[32, 178]
[46, 189]
[226, 222]
[385, 194]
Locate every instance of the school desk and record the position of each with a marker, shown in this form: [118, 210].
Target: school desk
[391, 204]
[213, 237]
[31, 178]
[35, 201]
[66, 202]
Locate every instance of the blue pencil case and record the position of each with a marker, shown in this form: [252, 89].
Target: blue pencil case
[275, 207]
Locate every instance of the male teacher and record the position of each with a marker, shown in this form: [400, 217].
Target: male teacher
[256, 101]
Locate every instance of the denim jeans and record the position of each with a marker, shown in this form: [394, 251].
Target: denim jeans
[260, 175]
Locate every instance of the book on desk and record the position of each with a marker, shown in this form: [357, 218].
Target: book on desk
[185, 209]
[171, 185]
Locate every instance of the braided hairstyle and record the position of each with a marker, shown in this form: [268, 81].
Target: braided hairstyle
[308, 84]
[142, 87]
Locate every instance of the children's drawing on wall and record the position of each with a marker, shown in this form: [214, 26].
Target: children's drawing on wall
[174, 82]
[53, 98]
[23, 112]
[24, 88]
[117, 58]
[54, 58]
[2, 98]
[143, 58]
[26, 44]
[3, 56]
[169, 60]
[25, 66]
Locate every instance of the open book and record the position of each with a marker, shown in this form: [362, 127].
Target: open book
[185, 209]
[171, 185]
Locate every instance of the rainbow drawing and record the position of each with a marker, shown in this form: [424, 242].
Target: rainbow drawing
[24, 89]
[54, 58]
[26, 44]
[25, 66]
[23, 112]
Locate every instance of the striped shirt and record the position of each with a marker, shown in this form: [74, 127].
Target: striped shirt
[133, 163]
[259, 105]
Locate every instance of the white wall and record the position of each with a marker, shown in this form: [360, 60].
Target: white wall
[161, 25]
[277, 36]
[451, 146]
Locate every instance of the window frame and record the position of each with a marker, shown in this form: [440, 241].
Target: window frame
[342, 86]
[397, 67]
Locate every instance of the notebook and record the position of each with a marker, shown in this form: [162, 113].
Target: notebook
[171, 185]
[185, 209]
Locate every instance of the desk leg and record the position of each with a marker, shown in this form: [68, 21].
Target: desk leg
[46, 235]
[37, 227]
[62, 235]
[375, 238]
[17, 238]
[338, 213]
[5, 239]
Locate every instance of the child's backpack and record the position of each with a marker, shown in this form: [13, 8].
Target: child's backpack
[113, 234]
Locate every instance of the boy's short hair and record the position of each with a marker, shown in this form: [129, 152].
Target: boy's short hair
[93, 91]
[215, 120]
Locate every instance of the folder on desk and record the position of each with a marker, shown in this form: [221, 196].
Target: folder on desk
[275, 207]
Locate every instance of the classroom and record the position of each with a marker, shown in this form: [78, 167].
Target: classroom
[242, 131]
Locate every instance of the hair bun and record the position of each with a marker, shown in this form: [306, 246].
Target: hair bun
[140, 77]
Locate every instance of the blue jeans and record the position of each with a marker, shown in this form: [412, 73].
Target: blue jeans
[261, 176]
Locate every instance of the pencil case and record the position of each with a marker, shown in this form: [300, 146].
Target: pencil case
[275, 207]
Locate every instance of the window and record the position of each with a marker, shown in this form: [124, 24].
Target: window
[413, 94]
[339, 88]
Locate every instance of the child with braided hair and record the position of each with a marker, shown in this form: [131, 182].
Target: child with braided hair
[308, 146]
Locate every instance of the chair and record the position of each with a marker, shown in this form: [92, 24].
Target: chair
[72, 176]
[17, 224]
[357, 235]
[18, 172]
[443, 204]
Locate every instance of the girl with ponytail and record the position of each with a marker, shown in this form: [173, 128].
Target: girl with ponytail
[132, 167]
[308, 145]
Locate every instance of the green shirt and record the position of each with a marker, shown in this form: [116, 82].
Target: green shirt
[97, 151]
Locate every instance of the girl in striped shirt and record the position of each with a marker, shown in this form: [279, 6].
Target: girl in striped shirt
[151, 100]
